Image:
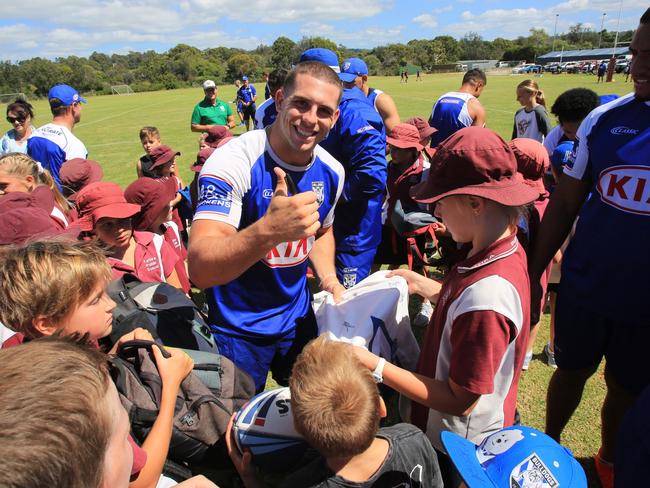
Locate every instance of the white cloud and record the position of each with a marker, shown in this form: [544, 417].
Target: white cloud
[426, 20]
[362, 38]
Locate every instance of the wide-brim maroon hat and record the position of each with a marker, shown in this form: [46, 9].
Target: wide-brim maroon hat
[215, 134]
[405, 136]
[152, 196]
[100, 200]
[475, 161]
[77, 173]
[423, 127]
[201, 157]
[532, 161]
[161, 155]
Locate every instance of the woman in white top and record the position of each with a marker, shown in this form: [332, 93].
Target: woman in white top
[19, 115]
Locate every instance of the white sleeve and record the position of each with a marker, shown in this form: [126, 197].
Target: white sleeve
[75, 148]
[223, 182]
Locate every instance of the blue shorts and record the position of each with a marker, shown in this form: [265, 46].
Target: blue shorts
[583, 337]
[258, 355]
[352, 267]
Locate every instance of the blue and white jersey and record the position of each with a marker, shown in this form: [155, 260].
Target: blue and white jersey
[358, 141]
[235, 187]
[608, 260]
[450, 114]
[373, 93]
[246, 94]
[265, 114]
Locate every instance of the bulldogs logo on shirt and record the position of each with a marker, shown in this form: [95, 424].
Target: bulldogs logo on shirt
[318, 187]
[626, 187]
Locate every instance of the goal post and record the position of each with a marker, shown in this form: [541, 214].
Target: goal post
[121, 90]
[11, 97]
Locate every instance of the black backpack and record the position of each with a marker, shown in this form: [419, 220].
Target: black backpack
[163, 310]
[206, 400]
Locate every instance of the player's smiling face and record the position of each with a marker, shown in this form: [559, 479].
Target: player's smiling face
[305, 117]
[640, 69]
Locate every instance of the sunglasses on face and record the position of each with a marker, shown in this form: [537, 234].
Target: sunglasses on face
[20, 120]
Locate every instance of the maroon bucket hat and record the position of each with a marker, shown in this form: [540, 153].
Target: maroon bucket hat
[161, 155]
[532, 161]
[77, 173]
[102, 199]
[423, 127]
[201, 157]
[152, 196]
[475, 161]
[215, 133]
[405, 136]
[19, 225]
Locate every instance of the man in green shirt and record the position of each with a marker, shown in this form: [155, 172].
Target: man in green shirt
[211, 110]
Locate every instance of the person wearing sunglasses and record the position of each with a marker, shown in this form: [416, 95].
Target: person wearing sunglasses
[19, 114]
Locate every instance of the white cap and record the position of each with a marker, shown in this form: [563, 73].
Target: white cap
[209, 84]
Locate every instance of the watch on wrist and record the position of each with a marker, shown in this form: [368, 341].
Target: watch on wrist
[378, 373]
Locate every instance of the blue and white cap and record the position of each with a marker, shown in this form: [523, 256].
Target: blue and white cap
[66, 94]
[323, 55]
[516, 457]
[561, 156]
[244, 78]
[351, 68]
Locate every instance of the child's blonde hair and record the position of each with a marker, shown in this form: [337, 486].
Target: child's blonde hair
[334, 399]
[532, 87]
[19, 164]
[50, 278]
[149, 132]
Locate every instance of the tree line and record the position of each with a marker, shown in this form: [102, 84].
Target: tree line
[184, 65]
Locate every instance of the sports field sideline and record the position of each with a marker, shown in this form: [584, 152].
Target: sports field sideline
[109, 127]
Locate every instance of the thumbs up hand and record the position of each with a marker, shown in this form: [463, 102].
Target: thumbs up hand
[290, 217]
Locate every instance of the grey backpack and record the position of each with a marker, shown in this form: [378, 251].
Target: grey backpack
[207, 398]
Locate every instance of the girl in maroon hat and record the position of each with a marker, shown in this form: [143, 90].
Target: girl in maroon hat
[104, 212]
[468, 372]
[155, 198]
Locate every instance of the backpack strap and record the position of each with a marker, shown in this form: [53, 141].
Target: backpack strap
[157, 243]
[413, 251]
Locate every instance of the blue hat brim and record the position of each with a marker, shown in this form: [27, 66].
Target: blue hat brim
[347, 77]
[463, 454]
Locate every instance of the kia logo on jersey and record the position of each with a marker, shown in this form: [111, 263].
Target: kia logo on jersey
[622, 130]
[626, 188]
[289, 254]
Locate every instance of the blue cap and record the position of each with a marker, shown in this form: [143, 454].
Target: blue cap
[66, 94]
[562, 154]
[351, 68]
[514, 457]
[322, 55]
[244, 78]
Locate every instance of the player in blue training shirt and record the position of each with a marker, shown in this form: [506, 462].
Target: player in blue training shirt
[602, 299]
[455, 110]
[247, 95]
[267, 112]
[255, 231]
[358, 141]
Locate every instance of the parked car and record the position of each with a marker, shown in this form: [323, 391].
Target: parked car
[621, 64]
[589, 68]
[554, 68]
[571, 67]
[527, 68]
[503, 64]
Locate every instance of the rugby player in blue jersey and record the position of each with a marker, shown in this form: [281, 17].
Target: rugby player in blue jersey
[265, 210]
[602, 300]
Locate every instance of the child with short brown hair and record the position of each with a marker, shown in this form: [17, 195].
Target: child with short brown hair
[336, 407]
[149, 138]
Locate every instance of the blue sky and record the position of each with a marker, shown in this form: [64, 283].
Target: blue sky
[78, 27]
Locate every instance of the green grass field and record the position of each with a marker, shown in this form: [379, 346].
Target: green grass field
[110, 126]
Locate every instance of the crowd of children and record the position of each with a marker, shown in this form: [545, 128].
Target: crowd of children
[60, 247]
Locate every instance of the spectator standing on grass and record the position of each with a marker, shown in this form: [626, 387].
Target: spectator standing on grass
[247, 95]
[602, 69]
[531, 121]
[601, 310]
[358, 141]
[356, 70]
[265, 211]
[458, 109]
[19, 114]
[267, 112]
[211, 110]
[54, 143]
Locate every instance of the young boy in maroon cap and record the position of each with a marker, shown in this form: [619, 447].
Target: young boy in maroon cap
[154, 198]
[467, 375]
[105, 213]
